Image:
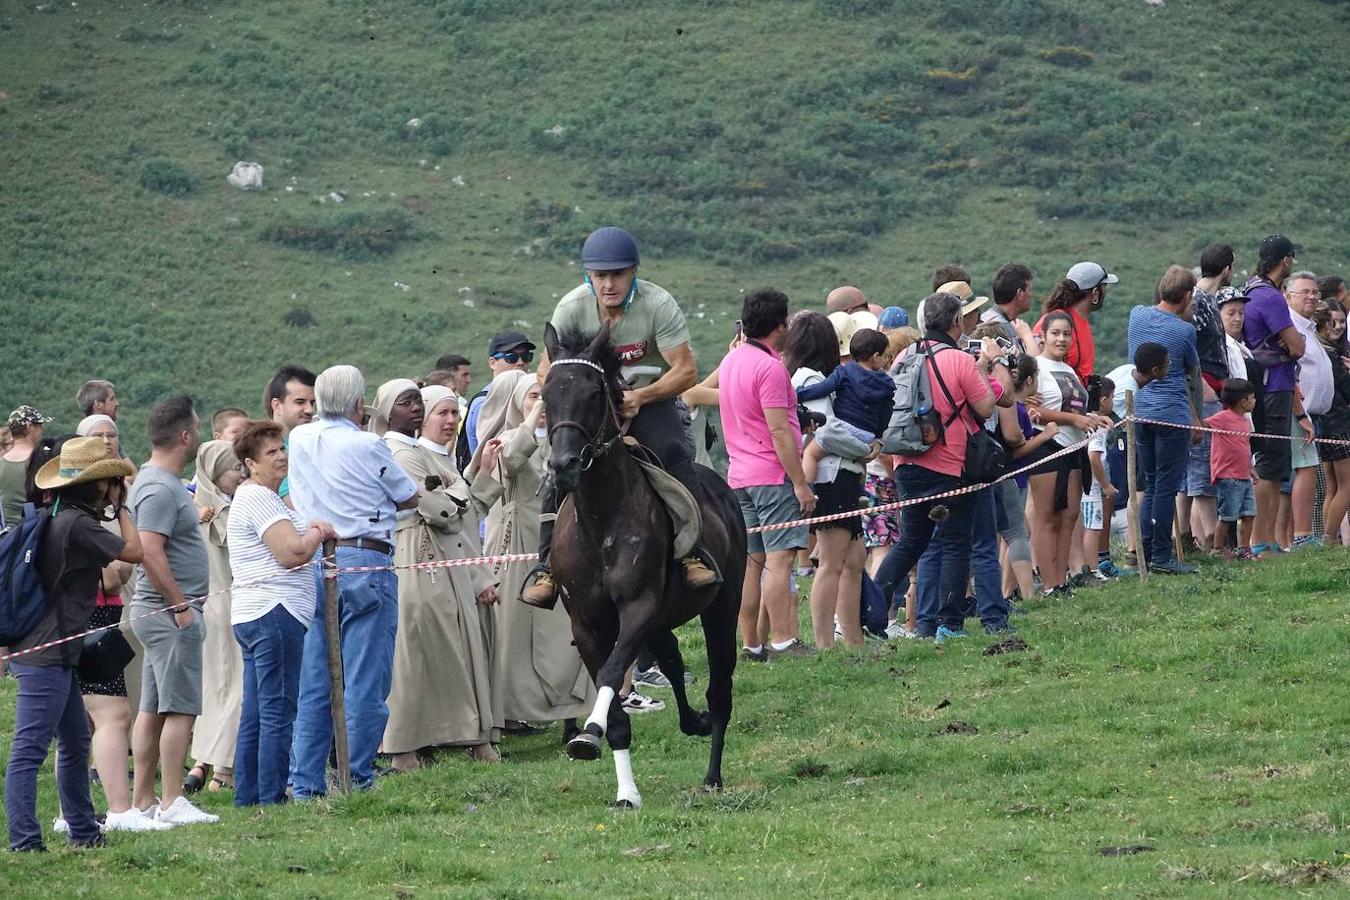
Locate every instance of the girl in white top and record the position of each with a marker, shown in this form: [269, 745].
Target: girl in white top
[1057, 487]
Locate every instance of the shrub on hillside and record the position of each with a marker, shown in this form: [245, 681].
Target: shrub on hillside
[1069, 57]
[355, 235]
[167, 177]
[542, 217]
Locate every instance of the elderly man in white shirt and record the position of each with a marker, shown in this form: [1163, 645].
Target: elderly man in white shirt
[346, 476]
[1316, 388]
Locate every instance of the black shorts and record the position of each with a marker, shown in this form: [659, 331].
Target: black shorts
[1062, 467]
[1274, 456]
[844, 494]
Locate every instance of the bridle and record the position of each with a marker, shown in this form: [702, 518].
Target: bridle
[594, 448]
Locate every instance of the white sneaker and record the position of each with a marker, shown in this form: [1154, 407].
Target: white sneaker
[640, 703]
[60, 826]
[182, 812]
[134, 820]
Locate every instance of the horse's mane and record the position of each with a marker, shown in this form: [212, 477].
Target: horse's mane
[575, 342]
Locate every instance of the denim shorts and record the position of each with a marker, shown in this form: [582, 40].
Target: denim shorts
[1197, 460]
[772, 504]
[1237, 500]
[1303, 455]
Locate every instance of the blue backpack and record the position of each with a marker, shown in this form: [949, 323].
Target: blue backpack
[23, 596]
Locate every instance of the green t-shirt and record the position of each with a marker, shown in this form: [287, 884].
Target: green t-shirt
[652, 323]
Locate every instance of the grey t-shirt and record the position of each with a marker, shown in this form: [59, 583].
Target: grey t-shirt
[159, 502]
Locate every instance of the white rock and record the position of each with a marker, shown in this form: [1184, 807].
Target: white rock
[246, 175]
[402, 287]
[557, 131]
[458, 181]
[468, 303]
[337, 197]
[520, 323]
[414, 122]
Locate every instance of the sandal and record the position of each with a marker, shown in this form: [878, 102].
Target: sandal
[195, 780]
[219, 784]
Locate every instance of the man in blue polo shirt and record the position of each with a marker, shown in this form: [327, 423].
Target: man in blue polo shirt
[1276, 345]
[1176, 399]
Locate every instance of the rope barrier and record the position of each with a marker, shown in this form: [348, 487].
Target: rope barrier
[511, 558]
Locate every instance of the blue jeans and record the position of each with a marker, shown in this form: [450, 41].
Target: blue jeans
[49, 705]
[272, 646]
[368, 616]
[917, 532]
[989, 603]
[1162, 457]
[927, 597]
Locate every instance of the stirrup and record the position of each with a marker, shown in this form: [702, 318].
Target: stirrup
[542, 592]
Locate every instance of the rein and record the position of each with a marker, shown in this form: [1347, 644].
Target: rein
[594, 447]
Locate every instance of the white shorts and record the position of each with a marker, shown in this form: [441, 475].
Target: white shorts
[1092, 515]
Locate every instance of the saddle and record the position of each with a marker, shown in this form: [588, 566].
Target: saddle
[683, 509]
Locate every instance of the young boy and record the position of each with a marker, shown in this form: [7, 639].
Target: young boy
[1230, 467]
[862, 394]
[1099, 502]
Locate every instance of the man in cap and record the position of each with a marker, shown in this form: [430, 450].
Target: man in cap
[1081, 293]
[25, 426]
[648, 330]
[1276, 345]
[506, 351]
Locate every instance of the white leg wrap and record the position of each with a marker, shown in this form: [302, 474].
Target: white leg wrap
[600, 714]
[623, 770]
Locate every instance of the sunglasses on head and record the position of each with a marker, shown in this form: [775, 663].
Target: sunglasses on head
[513, 357]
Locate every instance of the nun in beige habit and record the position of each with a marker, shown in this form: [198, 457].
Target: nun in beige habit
[442, 686]
[541, 674]
[213, 736]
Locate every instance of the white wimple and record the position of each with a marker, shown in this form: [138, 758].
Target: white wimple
[623, 770]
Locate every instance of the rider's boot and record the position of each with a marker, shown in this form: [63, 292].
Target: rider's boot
[700, 569]
[539, 589]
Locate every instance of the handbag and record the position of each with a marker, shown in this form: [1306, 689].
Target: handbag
[105, 655]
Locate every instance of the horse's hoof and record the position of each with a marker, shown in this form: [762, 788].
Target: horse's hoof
[701, 726]
[584, 746]
[711, 787]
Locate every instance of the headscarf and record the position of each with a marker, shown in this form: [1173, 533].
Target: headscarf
[495, 415]
[214, 459]
[433, 395]
[89, 423]
[384, 403]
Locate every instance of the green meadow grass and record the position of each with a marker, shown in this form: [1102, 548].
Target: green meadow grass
[1200, 718]
[802, 144]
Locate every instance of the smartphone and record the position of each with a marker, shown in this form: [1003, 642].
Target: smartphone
[740, 330]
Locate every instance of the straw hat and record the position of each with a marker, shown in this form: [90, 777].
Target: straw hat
[81, 460]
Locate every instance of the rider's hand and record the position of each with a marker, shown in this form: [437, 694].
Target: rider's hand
[632, 402]
[806, 498]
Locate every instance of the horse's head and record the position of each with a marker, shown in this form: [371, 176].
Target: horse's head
[581, 395]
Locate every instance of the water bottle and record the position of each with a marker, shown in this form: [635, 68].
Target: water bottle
[928, 425]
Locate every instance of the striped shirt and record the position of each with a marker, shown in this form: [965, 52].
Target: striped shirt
[260, 581]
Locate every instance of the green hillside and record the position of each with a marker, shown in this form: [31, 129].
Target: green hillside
[801, 144]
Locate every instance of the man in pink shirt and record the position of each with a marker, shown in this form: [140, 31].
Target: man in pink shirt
[764, 445]
[973, 394]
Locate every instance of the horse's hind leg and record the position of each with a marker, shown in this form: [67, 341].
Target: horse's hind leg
[666, 648]
[719, 631]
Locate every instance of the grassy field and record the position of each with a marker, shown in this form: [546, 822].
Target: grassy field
[802, 144]
[1201, 719]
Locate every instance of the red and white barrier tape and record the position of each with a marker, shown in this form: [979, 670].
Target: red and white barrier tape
[1249, 434]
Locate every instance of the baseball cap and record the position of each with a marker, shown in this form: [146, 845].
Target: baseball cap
[508, 340]
[1276, 247]
[1230, 295]
[1087, 275]
[893, 317]
[27, 415]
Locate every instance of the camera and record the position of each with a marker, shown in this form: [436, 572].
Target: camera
[809, 419]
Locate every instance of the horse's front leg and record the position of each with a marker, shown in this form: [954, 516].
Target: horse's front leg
[635, 623]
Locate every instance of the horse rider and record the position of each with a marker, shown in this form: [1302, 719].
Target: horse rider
[648, 330]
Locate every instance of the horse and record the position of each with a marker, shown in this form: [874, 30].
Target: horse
[611, 555]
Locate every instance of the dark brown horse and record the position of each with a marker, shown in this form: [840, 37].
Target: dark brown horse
[611, 557]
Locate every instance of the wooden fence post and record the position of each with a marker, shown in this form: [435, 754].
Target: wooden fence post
[332, 619]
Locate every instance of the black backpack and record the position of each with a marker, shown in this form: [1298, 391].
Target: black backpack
[462, 454]
[23, 596]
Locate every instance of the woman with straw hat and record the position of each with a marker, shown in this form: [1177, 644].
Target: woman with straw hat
[443, 667]
[219, 474]
[73, 553]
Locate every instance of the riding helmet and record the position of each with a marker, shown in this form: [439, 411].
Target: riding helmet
[609, 249]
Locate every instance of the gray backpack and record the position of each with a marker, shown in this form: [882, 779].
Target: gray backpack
[915, 427]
